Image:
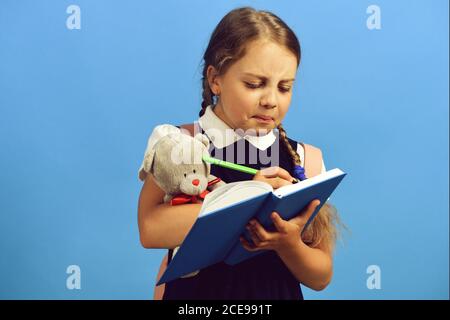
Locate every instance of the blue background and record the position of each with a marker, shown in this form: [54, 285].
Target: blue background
[77, 107]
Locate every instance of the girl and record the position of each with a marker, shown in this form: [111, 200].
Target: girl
[249, 71]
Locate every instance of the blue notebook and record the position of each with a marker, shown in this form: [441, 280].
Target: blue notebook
[225, 212]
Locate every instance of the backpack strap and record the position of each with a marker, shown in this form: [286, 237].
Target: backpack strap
[312, 159]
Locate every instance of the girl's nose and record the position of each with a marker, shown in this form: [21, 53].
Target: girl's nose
[269, 99]
[195, 182]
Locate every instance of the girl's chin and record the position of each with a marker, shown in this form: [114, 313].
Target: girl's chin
[259, 130]
[254, 128]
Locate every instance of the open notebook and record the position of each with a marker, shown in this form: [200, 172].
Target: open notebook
[214, 237]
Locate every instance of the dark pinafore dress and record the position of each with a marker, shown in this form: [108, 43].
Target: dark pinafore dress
[262, 277]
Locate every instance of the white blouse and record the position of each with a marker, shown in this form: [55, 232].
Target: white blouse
[211, 124]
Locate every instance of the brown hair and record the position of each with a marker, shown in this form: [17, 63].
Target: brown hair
[226, 46]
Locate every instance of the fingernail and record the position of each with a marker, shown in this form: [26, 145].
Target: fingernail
[294, 180]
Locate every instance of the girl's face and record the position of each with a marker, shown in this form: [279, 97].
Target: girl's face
[256, 91]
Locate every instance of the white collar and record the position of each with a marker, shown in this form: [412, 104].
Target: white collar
[222, 135]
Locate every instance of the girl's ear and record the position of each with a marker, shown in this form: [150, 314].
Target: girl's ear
[213, 80]
[148, 161]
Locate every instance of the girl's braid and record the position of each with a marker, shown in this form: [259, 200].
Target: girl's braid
[299, 171]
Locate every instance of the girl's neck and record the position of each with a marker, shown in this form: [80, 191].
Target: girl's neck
[218, 110]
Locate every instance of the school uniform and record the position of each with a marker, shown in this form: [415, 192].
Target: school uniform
[264, 276]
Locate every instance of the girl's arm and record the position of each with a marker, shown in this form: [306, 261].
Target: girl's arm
[313, 267]
[162, 225]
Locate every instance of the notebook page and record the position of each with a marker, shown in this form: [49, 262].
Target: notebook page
[232, 193]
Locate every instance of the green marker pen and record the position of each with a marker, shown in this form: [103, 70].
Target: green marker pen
[233, 166]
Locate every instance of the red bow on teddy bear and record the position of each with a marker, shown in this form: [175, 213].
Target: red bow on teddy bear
[183, 198]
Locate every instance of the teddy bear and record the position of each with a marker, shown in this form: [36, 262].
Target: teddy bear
[177, 166]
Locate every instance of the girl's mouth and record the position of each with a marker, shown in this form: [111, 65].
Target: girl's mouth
[263, 119]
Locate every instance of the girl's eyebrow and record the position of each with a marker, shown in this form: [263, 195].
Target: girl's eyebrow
[265, 78]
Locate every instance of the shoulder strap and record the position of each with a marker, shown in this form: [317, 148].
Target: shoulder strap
[313, 160]
[191, 128]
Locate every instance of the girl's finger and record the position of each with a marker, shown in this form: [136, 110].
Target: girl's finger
[313, 204]
[306, 213]
[280, 182]
[279, 223]
[259, 230]
[311, 208]
[255, 239]
[247, 245]
[258, 243]
[275, 172]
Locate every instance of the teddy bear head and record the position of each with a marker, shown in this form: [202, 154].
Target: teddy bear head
[176, 163]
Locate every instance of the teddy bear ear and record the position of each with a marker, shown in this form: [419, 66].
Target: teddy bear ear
[148, 160]
[203, 139]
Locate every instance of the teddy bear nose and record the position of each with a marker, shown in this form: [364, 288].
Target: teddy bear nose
[195, 182]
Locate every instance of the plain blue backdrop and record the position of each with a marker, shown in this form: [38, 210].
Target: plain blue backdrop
[77, 107]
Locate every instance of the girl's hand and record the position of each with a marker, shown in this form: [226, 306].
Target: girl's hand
[287, 233]
[275, 176]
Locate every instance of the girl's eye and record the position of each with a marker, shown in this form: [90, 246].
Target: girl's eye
[185, 175]
[252, 85]
[194, 170]
[256, 85]
[283, 89]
